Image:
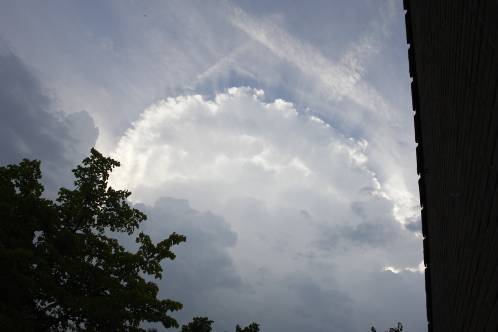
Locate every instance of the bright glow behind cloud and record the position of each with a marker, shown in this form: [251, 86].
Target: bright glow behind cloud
[273, 173]
[378, 122]
[299, 195]
[237, 141]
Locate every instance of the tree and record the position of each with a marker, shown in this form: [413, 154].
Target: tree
[60, 268]
[392, 329]
[253, 327]
[203, 324]
[198, 324]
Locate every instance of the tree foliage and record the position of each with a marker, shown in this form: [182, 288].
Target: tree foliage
[61, 270]
[253, 327]
[203, 324]
[198, 324]
[399, 328]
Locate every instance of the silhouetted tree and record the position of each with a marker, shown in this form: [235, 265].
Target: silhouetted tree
[392, 329]
[253, 327]
[203, 324]
[60, 269]
[198, 324]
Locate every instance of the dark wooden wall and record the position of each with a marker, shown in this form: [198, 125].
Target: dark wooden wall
[453, 59]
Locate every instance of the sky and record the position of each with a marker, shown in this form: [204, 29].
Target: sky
[276, 135]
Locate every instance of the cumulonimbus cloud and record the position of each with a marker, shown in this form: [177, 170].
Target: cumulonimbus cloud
[243, 145]
[258, 164]
[289, 185]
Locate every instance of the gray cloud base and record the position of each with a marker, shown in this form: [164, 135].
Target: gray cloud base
[31, 128]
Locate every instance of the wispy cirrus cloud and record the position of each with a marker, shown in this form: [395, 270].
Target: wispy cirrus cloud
[375, 118]
[337, 80]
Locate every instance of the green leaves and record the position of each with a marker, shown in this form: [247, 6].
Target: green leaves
[151, 255]
[203, 324]
[60, 268]
[95, 206]
[198, 324]
[253, 327]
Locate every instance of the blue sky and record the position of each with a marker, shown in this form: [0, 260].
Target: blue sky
[278, 136]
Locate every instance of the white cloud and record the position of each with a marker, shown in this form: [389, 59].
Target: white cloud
[420, 268]
[240, 144]
[287, 183]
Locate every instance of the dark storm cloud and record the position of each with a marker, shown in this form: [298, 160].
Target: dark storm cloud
[331, 310]
[396, 294]
[372, 224]
[203, 277]
[414, 225]
[31, 128]
[362, 234]
[203, 264]
[367, 233]
[204, 256]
